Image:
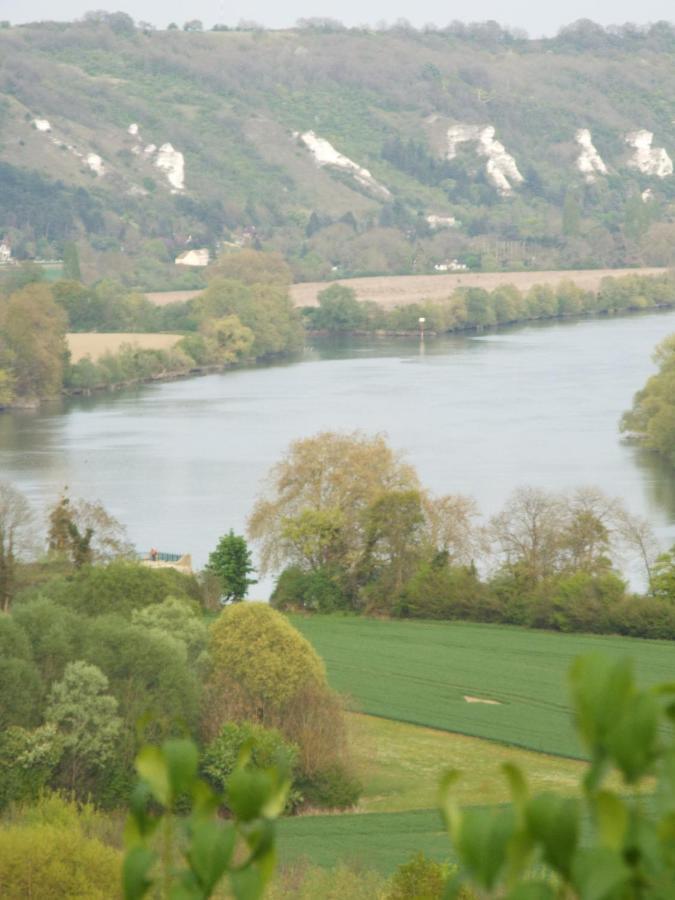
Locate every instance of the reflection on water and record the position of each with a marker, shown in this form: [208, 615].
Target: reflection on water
[659, 479]
[182, 462]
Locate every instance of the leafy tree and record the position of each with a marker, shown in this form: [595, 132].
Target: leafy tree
[32, 341]
[255, 648]
[21, 692]
[394, 532]
[120, 587]
[85, 532]
[339, 310]
[335, 477]
[27, 762]
[86, 718]
[179, 621]
[55, 861]
[71, 262]
[652, 418]
[16, 539]
[268, 748]
[266, 672]
[231, 562]
[252, 267]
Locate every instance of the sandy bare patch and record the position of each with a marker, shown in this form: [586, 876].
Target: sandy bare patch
[400, 290]
[481, 700]
[164, 298]
[96, 344]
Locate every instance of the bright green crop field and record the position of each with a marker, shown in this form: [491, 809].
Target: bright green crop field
[421, 672]
[379, 841]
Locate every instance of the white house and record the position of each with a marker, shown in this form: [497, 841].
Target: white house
[199, 257]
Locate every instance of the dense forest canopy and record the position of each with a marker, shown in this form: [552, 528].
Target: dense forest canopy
[349, 150]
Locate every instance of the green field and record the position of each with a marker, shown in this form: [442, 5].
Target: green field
[379, 841]
[400, 766]
[420, 672]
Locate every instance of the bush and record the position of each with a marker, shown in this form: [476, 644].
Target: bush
[119, 587]
[445, 592]
[264, 671]
[331, 788]
[257, 653]
[420, 878]
[319, 591]
[268, 748]
[52, 862]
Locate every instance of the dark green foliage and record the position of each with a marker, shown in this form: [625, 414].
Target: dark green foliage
[120, 587]
[71, 262]
[231, 563]
[44, 208]
[338, 311]
[439, 591]
[21, 692]
[420, 877]
[167, 777]
[267, 748]
[331, 788]
[319, 590]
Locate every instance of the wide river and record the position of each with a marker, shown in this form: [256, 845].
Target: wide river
[182, 462]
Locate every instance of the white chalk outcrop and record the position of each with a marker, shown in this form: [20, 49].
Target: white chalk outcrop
[95, 163]
[199, 257]
[437, 222]
[42, 125]
[647, 159]
[501, 167]
[172, 162]
[166, 158]
[589, 161]
[325, 154]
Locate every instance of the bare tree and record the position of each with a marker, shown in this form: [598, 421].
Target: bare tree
[16, 539]
[527, 531]
[637, 538]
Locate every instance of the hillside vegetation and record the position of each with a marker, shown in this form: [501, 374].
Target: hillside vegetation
[350, 150]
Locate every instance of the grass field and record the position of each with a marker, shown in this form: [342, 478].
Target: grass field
[370, 840]
[400, 766]
[95, 344]
[420, 672]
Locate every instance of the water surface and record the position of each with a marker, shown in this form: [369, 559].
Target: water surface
[182, 462]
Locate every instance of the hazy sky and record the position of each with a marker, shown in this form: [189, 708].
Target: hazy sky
[537, 18]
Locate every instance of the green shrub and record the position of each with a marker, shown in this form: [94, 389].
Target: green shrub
[331, 788]
[53, 862]
[119, 587]
[321, 590]
[420, 878]
[268, 748]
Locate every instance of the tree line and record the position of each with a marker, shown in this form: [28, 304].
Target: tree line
[245, 314]
[339, 310]
[350, 526]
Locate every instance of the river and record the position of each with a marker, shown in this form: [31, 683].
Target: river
[182, 462]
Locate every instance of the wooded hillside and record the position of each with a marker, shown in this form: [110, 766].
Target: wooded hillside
[351, 151]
